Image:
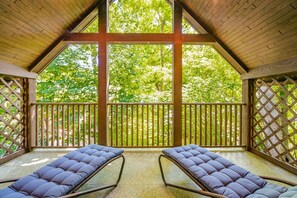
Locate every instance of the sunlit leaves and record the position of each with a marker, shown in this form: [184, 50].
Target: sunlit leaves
[141, 16]
[140, 73]
[208, 77]
[72, 76]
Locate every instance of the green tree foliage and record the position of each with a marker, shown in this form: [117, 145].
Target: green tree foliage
[71, 77]
[140, 73]
[208, 77]
[145, 16]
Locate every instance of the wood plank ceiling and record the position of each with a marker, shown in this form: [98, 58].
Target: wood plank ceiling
[258, 32]
[29, 27]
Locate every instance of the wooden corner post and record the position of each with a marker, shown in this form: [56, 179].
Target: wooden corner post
[102, 72]
[177, 75]
[246, 98]
[31, 114]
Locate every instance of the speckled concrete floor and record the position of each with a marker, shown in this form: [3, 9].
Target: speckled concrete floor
[141, 177]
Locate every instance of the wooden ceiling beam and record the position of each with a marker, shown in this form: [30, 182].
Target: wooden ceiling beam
[71, 38]
[276, 68]
[81, 38]
[198, 39]
[220, 46]
[139, 38]
[14, 70]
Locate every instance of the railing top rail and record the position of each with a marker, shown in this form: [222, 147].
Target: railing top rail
[138, 103]
[64, 103]
[213, 103]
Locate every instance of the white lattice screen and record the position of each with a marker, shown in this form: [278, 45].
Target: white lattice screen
[274, 117]
[12, 115]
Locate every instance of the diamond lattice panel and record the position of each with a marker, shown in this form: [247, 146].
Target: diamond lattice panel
[12, 116]
[274, 117]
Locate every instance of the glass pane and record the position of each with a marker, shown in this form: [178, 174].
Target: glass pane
[140, 16]
[71, 77]
[140, 73]
[92, 27]
[187, 28]
[208, 77]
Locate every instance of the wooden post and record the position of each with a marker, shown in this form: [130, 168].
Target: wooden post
[102, 73]
[177, 76]
[246, 91]
[31, 114]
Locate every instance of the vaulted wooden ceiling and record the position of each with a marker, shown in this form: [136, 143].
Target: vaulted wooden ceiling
[257, 32]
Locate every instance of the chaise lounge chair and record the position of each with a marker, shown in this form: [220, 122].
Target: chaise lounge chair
[218, 177]
[64, 176]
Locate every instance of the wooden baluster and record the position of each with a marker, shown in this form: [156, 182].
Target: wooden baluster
[117, 123]
[46, 125]
[52, 125]
[147, 125]
[63, 127]
[163, 124]
[111, 124]
[137, 124]
[200, 124]
[142, 124]
[210, 124]
[195, 106]
[132, 128]
[226, 125]
[84, 125]
[190, 109]
[127, 129]
[185, 125]
[122, 127]
[78, 117]
[73, 125]
[41, 125]
[240, 125]
[235, 126]
[68, 124]
[158, 125]
[221, 126]
[230, 126]
[89, 123]
[37, 129]
[216, 125]
[168, 126]
[153, 126]
[205, 125]
[95, 122]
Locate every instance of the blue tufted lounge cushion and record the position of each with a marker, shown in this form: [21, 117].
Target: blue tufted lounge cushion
[221, 176]
[62, 175]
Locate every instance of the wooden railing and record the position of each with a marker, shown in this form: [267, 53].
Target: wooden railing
[138, 124]
[212, 124]
[66, 124]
